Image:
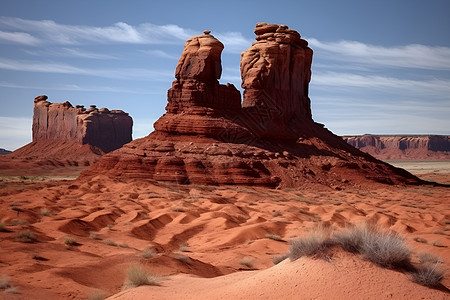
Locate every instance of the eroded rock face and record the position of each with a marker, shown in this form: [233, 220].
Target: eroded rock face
[206, 137]
[402, 147]
[102, 128]
[275, 72]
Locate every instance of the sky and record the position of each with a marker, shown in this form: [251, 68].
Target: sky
[379, 67]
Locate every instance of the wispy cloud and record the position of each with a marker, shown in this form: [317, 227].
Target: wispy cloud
[234, 42]
[19, 38]
[81, 88]
[435, 87]
[408, 56]
[60, 68]
[51, 32]
[68, 52]
[159, 53]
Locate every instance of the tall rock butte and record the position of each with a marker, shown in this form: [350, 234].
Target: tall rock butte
[67, 135]
[207, 136]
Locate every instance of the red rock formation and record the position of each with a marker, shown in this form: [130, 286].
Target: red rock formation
[205, 137]
[402, 147]
[67, 135]
[102, 128]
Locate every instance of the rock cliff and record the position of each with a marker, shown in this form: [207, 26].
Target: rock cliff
[65, 135]
[107, 130]
[402, 146]
[207, 137]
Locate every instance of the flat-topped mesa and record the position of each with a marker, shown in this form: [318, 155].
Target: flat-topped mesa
[275, 72]
[102, 128]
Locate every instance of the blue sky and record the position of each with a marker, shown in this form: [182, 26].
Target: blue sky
[379, 67]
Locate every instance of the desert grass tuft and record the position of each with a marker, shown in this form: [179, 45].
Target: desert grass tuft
[279, 258]
[109, 242]
[274, 237]
[70, 241]
[184, 247]
[425, 257]
[137, 276]
[428, 274]
[148, 252]
[4, 282]
[316, 243]
[46, 212]
[420, 240]
[3, 227]
[12, 290]
[97, 295]
[26, 236]
[246, 261]
[437, 244]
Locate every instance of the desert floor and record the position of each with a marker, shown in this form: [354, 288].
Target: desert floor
[207, 242]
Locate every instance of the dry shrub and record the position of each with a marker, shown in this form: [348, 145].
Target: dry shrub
[97, 295]
[246, 261]
[279, 258]
[137, 276]
[26, 236]
[425, 257]
[4, 282]
[148, 252]
[109, 242]
[428, 274]
[316, 243]
[387, 249]
[3, 227]
[274, 237]
[70, 241]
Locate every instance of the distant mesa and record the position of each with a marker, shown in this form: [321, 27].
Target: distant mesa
[4, 151]
[402, 146]
[66, 135]
[208, 136]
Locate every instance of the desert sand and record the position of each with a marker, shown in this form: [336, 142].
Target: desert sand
[207, 242]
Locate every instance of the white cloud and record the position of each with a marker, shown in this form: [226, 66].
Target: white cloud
[19, 37]
[435, 87]
[234, 42]
[408, 56]
[49, 31]
[60, 68]
[75, 87]
[68, 52]
[14, 132]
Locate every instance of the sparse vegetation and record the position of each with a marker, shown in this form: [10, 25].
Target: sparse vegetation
[70, 241]
[315, 243]
[279, 258]
[46, 212]
[274, 237]
[4, 282]
[38, 257]
[109, 242]
[148, 252]
[439, 232]
[246, 261]
[97, 295]
[420, 240]
[137, 276]
[184, 247]
[12, 290]
[386, 249]
[26, 236]
[437, 244]
[3, 227]
[94, 236]
[428, 274]
[124, 246]
[425, 257]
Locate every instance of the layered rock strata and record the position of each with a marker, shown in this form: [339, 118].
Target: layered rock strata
[207, 137]
[105, 129]
[64, 135]
[402, 146]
